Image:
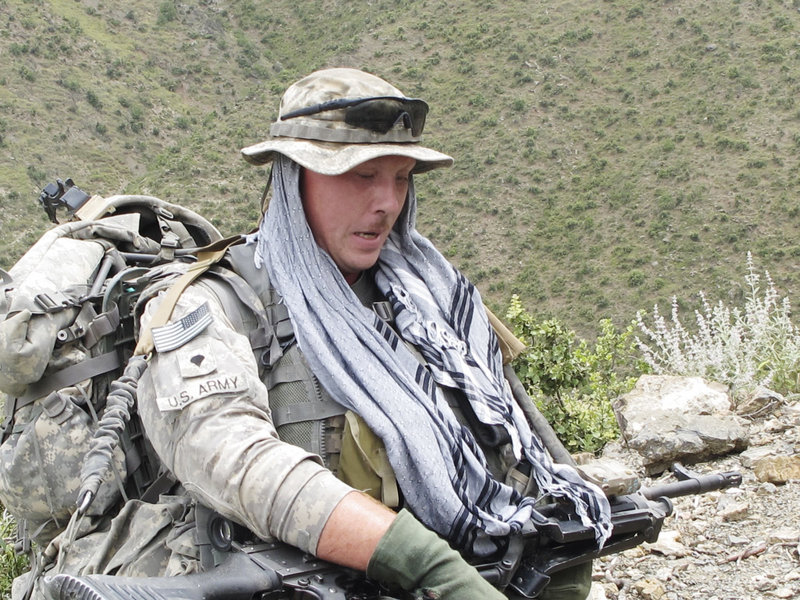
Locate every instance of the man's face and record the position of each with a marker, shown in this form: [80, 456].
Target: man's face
[352, 214]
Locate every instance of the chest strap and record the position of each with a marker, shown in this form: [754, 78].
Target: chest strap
[306, 411]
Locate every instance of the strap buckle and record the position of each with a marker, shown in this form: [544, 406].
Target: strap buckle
[54, 301]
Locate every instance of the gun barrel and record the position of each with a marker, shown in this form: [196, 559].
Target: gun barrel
[694, 485]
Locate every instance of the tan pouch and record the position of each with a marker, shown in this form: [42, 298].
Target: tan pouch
[363, 463]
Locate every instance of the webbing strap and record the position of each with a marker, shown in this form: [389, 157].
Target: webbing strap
[306, 411]
[510, 345]
[206, 258]
[86, 369]
[10, 408]
[102, 325]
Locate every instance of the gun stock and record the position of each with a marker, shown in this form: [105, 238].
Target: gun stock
[270, 571]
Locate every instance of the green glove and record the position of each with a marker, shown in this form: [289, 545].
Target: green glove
[418, 560]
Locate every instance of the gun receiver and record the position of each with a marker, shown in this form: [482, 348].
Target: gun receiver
[559, 540]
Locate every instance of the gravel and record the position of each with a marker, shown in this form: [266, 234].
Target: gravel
[737, 543]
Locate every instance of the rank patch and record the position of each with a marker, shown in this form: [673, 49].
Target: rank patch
[196, 360]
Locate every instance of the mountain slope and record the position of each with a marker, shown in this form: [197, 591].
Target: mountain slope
[608, 155]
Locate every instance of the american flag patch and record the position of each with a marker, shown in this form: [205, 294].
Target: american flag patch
[174, 335]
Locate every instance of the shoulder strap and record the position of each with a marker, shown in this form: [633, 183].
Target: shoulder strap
[246, 311]
[243, 263]
[510, 345]
[206, 258]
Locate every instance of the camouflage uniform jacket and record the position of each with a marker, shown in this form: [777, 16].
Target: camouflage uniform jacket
[207, 414]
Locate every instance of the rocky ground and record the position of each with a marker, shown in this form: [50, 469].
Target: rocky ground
[738, 543]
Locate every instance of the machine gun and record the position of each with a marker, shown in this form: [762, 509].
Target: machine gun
[559, 540]
[553, 541]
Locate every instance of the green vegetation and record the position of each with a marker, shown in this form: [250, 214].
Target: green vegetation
[608, 156]
[11, 564]
[572, 382]
[744, 344]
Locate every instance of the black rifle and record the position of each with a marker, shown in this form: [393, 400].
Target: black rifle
[553, 541]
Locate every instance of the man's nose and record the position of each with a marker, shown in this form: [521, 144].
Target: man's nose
[386, 197]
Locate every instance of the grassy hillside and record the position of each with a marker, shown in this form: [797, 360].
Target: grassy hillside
[608, 154]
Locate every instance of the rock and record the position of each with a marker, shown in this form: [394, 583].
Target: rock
[610, 590]
[668, 544]
[784, 535]
[766, 489]
[777, 469]
[776, 426]
[792, 576]
[763, 583]
[751, 455]
[611, 476]
[664, 574]
[687, 439]
[649, 589]
[737, 540]
[668, 419]
[667, 393]
[597, 592]
[635, 552]
[760, 403]
[735, 511]
[783, 592]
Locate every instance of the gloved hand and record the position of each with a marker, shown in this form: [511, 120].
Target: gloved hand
[418, 560]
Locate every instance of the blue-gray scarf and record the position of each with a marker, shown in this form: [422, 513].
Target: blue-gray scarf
[366, 367]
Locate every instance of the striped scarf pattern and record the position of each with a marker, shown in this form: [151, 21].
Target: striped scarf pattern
[362, 363]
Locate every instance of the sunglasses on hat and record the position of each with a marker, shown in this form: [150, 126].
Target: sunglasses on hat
[380, 113]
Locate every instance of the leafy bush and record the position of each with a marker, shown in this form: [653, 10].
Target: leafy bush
[571, 382]
[167, 12]
[744, 349]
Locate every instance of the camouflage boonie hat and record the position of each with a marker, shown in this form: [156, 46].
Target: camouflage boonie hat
[335, 119]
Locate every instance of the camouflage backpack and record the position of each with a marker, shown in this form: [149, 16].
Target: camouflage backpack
[66, 332]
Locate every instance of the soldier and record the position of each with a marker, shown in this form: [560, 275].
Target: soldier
[360, 413]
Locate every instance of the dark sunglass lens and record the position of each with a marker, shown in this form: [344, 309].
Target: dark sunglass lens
[375, 115]
[382, 114]
[418, 111]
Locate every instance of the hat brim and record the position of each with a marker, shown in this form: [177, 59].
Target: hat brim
[329, 158]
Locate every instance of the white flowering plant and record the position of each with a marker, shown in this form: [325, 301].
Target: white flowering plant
[755, 346]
